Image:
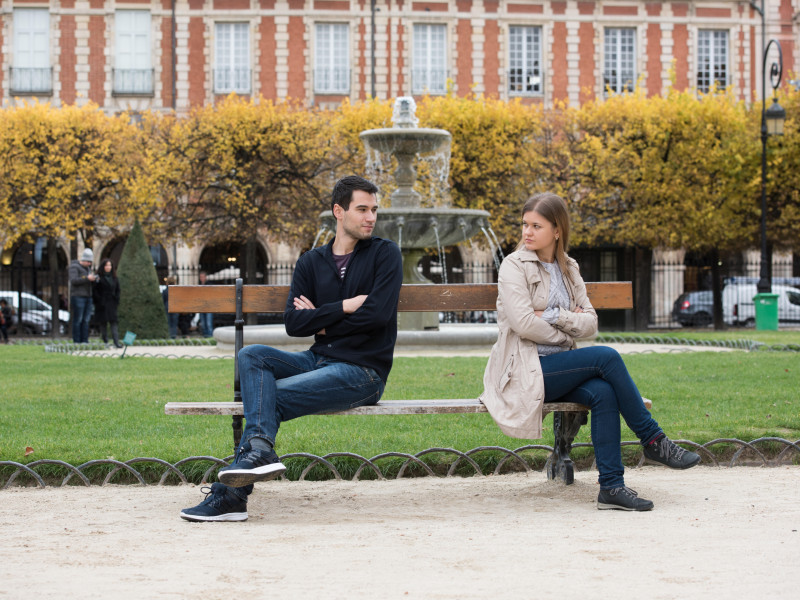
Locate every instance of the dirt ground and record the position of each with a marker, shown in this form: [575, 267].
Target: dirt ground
[715, 533]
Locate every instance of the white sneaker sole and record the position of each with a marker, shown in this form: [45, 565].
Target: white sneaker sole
[603, 506]
[242, 477]
[222, 517]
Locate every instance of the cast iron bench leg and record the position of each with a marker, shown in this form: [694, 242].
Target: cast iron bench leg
[565, 427]
[238, 345]
[237, 432]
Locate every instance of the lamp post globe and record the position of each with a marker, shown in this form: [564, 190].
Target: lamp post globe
[775, 116]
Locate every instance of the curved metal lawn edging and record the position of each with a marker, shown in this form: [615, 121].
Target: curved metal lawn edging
[740, 344]
[314, 461]
[508, 455]
[68, 345]
[98, 349]
[101, 351]
[789, 452]
[516, 455]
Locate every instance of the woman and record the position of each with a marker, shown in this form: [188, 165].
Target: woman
[106, 300]
[5, 319]
[542, 308]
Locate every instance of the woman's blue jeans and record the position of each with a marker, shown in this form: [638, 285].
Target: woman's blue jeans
[278, 386]
[172, 325]
[597, 377]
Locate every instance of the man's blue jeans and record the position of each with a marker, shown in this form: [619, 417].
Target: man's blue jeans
[207, 324]
[278, 386]
[596, 377]
[81, 313]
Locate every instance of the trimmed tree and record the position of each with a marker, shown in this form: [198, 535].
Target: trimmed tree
[141, 309]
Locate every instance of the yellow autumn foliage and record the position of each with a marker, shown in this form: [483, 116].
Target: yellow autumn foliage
[676, 171]
[227, 169]
[664, 171]
[66, 170]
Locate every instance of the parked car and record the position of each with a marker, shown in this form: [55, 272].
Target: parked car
[738, 307]
[36, 314]
[694, 309]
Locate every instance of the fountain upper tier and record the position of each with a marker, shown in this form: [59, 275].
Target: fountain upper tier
[410, 140]
[406, 222]
[407, 144]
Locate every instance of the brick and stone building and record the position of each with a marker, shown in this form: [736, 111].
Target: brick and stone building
[174, 54]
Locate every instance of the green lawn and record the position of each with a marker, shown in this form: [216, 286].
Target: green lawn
[77, 409]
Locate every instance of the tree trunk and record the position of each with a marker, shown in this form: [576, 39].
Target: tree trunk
[641, 287]
[716, 290]
[73, 255]
[250, 273]
[52, 260]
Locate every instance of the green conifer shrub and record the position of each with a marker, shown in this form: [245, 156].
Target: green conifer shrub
[141, 309]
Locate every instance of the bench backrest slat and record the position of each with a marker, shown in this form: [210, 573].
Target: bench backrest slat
[413, 297]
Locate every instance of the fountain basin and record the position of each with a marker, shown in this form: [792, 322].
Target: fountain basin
[418, 227]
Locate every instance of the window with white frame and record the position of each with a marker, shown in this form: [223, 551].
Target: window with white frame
[524, 60]
[332, 58]
[31, 69]
[712, 58]
[133, 67]
[429, 68]
[619, 59]
[232, 58]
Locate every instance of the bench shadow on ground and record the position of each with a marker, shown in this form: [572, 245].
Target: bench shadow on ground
[417, 498]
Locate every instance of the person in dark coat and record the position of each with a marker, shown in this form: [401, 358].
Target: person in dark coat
[5, 319]
[81, 280]
[106, 301]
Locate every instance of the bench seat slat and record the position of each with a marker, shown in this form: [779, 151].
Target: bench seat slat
[413, 297]
[385, 407]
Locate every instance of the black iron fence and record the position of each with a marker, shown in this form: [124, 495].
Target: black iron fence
[226, 274]
[689, 290]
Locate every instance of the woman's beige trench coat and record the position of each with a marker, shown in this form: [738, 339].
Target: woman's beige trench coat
[513, 383]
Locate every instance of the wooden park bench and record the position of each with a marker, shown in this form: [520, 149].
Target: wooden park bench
[242, 299]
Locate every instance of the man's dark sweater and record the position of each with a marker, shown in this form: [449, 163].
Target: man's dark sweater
[365, 337]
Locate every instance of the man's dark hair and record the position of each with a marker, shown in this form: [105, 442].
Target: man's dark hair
[344, 188]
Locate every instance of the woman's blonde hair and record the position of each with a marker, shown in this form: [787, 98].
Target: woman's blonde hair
[553, 208]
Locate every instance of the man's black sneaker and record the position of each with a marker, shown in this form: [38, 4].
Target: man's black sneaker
[663, 450]
[221, 504]
[622, 498]
[251, 465]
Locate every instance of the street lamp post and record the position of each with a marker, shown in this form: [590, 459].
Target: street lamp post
[373, 10]
[771, 124]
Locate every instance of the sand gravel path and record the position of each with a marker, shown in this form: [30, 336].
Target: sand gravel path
[715, 533]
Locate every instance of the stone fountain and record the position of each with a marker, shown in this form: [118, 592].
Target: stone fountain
[414, 227]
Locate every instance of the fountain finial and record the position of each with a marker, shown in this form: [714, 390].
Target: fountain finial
[404, 114]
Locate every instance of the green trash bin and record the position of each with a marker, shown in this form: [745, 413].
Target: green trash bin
[766, 311]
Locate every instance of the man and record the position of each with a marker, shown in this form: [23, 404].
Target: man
[206, 320]
[345, 294]
[81, 279]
